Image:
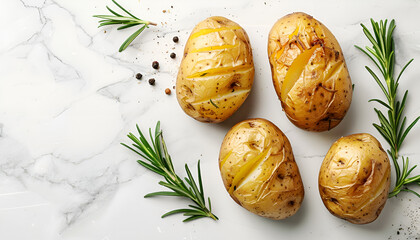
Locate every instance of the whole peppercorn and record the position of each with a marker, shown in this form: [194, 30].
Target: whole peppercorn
[152, 81]
[139, 76]
[155, 64]
[173, 55]
[175, 39]
[168, 91]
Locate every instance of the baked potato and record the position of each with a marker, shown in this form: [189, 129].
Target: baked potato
[354, 178]
[216, 72]
[259, 170]
[309, 72]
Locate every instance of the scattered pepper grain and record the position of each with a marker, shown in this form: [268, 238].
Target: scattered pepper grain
[152, 81]
[175, 39]
[139, 76]
[168, 91]
[155, 64]
[173, 55]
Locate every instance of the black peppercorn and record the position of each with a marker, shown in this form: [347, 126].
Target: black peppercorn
[155, 64]
[175, 39]
[152, 81]
[139, 76]
[173, 55]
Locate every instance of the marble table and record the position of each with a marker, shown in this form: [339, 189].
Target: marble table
[68, 98]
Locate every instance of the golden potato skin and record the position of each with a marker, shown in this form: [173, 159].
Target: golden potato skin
[259, 170]
[316, 89]
[216, 72]
[354, 178]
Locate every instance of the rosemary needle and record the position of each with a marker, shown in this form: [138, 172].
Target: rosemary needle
[214, 104]
[158, 160]
[392, 125]
[126, 22]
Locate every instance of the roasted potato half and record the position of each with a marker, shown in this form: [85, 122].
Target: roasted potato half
[216, 72]
[259, 170]
[309, 72]
[354, 178]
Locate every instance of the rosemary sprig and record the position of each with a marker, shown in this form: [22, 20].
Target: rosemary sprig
[392, 126]
[125, 21]
[160, 162]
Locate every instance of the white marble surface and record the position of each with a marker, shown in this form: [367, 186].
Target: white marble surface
[68, 98]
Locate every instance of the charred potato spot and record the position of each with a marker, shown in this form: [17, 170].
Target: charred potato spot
[308, 69]
[354, 178]
[217, 66]
[259, 171]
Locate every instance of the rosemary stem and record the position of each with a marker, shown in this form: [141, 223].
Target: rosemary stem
[212, 216]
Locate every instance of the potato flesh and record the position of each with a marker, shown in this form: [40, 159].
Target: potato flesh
[354, 178]
[295, 71]
[248, 168]
[309, 72]
[258, 169]
[217, 70]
